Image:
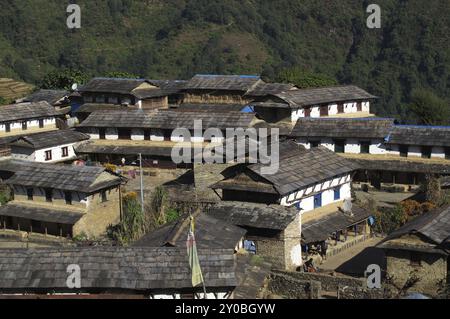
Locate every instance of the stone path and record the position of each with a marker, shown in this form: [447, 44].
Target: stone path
[355, 260]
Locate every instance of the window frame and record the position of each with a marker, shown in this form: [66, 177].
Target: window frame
[425, 151]
[48, 195]
[65, 151]
[401, 150]
[30, 193]
[337, 143]
[365, 144]
[68, 197]
[337, 191]
[48, 155]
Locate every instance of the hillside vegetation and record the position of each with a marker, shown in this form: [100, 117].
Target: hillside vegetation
[178, 38]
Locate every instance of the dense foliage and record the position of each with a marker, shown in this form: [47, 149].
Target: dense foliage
[177, 38]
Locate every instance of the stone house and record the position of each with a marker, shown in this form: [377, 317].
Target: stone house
[420, 249]
[305, 179]
[48, 147]
[57, 98]
[115, 272]
[137, 93]
[61, 200]
[273, 231]
[336, 101]
[123, 134]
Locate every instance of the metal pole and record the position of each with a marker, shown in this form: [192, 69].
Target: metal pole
[142, 182]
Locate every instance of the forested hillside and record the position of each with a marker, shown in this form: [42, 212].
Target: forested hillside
[177, 38]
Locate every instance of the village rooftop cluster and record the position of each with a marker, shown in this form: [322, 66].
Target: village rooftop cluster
[68, 159]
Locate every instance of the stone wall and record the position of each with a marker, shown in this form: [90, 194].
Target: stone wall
[328, 282]
[99, 214]
[347, 292]
[290, 287]
[432, 270]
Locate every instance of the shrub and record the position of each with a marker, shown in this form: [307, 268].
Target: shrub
[411, 207]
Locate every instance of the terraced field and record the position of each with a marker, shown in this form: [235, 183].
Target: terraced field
[11, 89]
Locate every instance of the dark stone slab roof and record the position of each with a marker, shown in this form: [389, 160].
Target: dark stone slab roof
[44, 214]
[253, 215]
[403, 166]
[149, 93]
[118, 119]
[172, 119]
[65, 177]
[434, 225]
[92, 148]
[303, 168]
[342, 127]
[138, 269]
[211, 107]
[322, 228]
[170, 86]
[209, 233]
[50, 96]
[51, 138]
[97, 107]
[23, 111]
[223, 82]
[314, 96]
[262, 89]
[420, 135]
[112, 85]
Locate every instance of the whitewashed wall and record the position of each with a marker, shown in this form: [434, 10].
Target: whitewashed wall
[17, 126]
[39, 155]
[352, 146]
[350, 107]
[306, 196]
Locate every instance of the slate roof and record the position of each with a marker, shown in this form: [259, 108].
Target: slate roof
[303, 168]
[403, 166]
[23, 111]
[45, 214]
[420, 135]
[171, 119]
[155, 150]
[262, 89]
[342, 127]
[137, 269]
[209, 233]
[445, 181]
[97, 107]
[314, 96]
[223, 82]
[65, 177]
[50, 96]
[211, 107]
[434, 225]
[169, 86]
[322, 228]
[111, 85]
[51, 138]
[253, 215]
[118, 119]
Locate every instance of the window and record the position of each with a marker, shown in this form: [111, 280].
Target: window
[426, 152]
[104, 198]
[340, 108]
[8, 127]
[447, 152]
[403, 150]
[24, 125]
[314, 143]
[339, 146]
[365, 147]
[41, 123]
[298, 205]
[48, 195]
[102, 133]
[147, 135]
[337, 193]
[65, 151]
[30, 193]
[48, 155]
[318, 200]
[415, 259]
[68, 197]
[359, 106]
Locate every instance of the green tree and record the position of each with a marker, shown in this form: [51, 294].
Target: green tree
[429, 109]
[304, 79]
[63, 79]
[120, 74]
